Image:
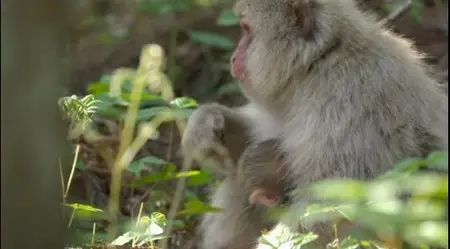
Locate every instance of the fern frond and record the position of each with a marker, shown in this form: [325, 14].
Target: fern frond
[79, 110]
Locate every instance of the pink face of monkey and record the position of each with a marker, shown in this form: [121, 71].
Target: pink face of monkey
[238, 69]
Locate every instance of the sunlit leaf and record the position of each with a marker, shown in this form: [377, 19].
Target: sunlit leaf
[203, 177]
[83, 207]
[123, 239]
[302, 239]
[155, 229]
[407, 165]
[184, 102]
[187, 173]
[339, 189]
[349, 243]
[158, 218]
[97, 88]
[144, 220]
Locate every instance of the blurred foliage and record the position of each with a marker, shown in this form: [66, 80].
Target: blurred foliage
[408, 203]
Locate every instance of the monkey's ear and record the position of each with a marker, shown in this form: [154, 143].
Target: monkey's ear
[303, 15]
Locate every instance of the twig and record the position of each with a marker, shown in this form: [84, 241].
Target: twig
[62, 179]
[72, 171]
[399, 11]
[133, 244]
[93, 234]
[177, 198]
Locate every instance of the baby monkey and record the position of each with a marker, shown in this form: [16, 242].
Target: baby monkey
[251, 185]
[259, 170]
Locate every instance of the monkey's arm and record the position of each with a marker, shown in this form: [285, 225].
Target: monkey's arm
[216, 135]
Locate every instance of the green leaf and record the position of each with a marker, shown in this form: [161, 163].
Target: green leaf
[136, 167]
[437, 160]
[197, 207]
[150, 103]
[405, 166]
[77, 206]
[97, 88]
[149, 113]
[106, 78]
[111, 112]
[303, 239]
[339, 189]
[151, 178]
[153, 160]
[227, 18]
[203, 177]
[184, 102]
[187, 173]
[106, 38]
[123, 239]
[177, 223]
[144, 220]
[144, 96]
[169, 170]
[349, 243]
[110, 100]
[315, 209]
[155, 229]
[229, 88]
[416, 8]
[158, 218]
[268, 241]
[211, 39]
[80, 165]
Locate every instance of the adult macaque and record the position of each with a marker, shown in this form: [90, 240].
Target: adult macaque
[345, 98]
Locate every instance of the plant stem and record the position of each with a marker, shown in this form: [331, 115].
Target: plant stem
[72, 171]
[93, 234]
[71, 218]
[125, 140]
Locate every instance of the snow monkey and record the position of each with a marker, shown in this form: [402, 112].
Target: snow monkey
[344, 96]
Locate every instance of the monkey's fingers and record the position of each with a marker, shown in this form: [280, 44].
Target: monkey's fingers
[224, 156]
[214, 155]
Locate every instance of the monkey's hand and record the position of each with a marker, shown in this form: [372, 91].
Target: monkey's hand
[203, 138]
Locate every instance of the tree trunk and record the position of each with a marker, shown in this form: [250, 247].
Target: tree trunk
[34, 72]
